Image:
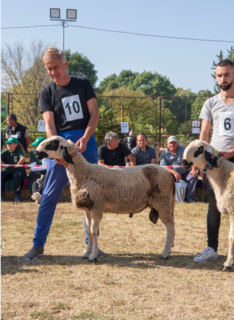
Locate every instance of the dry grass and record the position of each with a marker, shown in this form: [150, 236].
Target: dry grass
[131, 282]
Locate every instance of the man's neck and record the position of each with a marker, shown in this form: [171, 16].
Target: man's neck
[65, 81]
[227, 95]
[173, 152]
[143, 148]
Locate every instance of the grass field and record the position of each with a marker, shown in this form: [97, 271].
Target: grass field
[131, 282]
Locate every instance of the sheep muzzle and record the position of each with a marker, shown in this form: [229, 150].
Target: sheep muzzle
[41, 155]
[187, 165]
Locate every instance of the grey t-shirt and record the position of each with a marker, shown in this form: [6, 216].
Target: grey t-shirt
[221, 116]
[170, 159]
[144, 157]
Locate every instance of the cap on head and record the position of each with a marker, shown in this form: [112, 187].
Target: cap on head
[38, 141]
[172, 138]
[12, 140]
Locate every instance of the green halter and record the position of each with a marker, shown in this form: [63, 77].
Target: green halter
[209, 166]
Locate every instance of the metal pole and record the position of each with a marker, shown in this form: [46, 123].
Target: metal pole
[156, 118]
[63, 24]
[186, 117]
[160, 115]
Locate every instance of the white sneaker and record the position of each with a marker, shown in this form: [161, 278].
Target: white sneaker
[207, 255]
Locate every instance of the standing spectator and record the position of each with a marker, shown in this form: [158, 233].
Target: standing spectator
[37, 172]
[130, 143]
[144, 154]
[18, 131]
[14, 154]
[172, 156]
[218, 111]
[113, 152]
[69, 110]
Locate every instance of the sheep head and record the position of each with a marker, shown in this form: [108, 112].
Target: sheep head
[56, 147]
[198, 153]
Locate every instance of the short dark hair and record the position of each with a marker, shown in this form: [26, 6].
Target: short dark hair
[142, 134]
[225, 63]
[12, 117]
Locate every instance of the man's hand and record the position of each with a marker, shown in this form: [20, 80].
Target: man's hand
[61, 162]
[82, 144]
[227, 154]
[193, 172]
[177, 176]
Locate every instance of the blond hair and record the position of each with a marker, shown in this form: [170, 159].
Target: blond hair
[52, 53]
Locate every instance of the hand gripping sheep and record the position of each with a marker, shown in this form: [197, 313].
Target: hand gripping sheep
[97, 189]
[220, 173]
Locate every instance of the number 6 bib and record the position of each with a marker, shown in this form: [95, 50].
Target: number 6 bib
[72, 108]
[226, 123]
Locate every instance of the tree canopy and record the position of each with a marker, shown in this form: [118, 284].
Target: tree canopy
[80, 65]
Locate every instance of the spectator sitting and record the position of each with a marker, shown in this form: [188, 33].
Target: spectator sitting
[113, 153]
[172, 156]
[144, 154]
[14, 154]
[37, 172]
[18, 131]
[130, 143]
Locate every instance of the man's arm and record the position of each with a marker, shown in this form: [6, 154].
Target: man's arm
[153, 160]
[28, 141]
[50, 127]
[92, 124]
[132, 159]
[205, 131]
[101, 162]
[164, 163]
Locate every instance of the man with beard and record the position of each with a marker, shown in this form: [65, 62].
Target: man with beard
[218, 111]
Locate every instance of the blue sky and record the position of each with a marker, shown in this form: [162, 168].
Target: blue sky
[186, 63]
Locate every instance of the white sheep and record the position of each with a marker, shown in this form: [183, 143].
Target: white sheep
[98, 189]
[220, 173]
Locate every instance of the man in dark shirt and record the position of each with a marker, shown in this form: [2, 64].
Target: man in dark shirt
[113, 153]
[17, 131]
[130, 143]
[69, 110]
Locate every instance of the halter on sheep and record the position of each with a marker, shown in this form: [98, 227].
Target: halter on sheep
[97, 189]
[220, 173]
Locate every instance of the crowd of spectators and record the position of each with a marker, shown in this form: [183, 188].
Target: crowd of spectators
[133, 151]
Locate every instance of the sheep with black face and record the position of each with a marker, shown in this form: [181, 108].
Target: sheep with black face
[220, 173]
[97, 189]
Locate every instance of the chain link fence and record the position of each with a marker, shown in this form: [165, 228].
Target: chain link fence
[156, 116]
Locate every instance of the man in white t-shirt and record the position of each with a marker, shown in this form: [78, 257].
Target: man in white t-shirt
[218, 111]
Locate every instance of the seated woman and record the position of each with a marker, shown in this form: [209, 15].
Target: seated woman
[37, 173]
[14, 154]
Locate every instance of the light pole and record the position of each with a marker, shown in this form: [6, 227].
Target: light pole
[71, 17]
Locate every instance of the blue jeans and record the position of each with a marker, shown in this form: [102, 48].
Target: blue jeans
[56, 179]
[192, 183]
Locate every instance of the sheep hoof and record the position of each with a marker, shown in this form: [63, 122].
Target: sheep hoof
[84, 257]
[93, 261]
[164, 258]
[131, 215]
[226, 269]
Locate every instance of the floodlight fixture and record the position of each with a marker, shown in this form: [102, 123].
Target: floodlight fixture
[54, 13]
[72, 14]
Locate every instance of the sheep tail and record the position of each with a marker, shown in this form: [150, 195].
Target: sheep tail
[153, 216]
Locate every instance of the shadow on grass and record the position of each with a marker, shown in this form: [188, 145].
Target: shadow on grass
[16, 264]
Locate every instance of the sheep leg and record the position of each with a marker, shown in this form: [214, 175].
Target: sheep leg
[228, 263]
[90, 240]
[166, 216]
[94, 232]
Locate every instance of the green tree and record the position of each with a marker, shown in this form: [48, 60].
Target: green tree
[24, 75]
[80, 65]
[221, 57]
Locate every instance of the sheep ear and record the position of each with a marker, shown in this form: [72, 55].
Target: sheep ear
[211, 159]
[65, 155]
[199, 151]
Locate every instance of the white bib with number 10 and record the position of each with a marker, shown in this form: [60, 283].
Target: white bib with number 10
[226, 123]
[72, 108]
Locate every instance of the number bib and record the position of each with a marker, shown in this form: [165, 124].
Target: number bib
[72, 108]
[226, 123]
